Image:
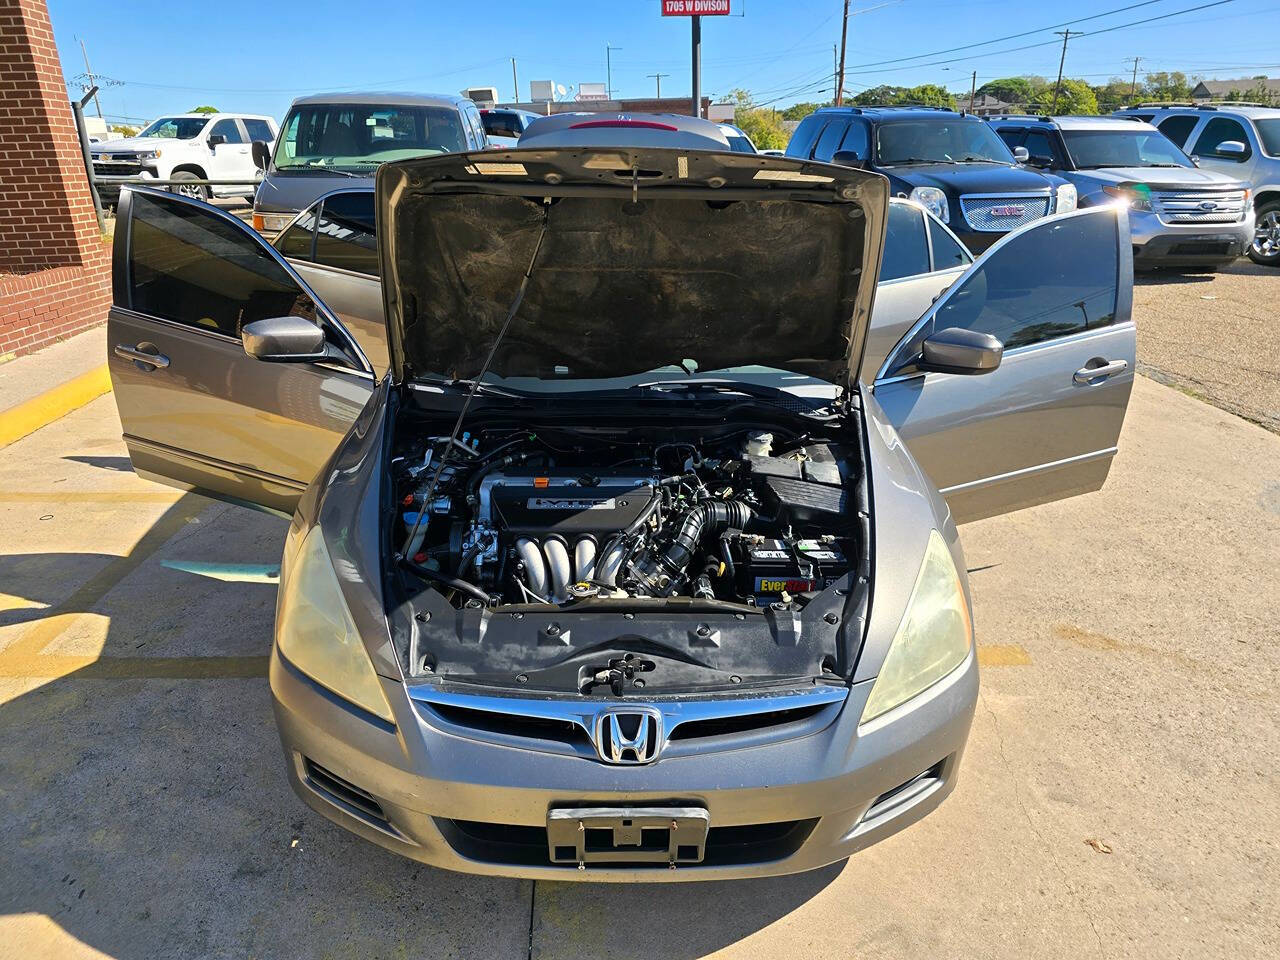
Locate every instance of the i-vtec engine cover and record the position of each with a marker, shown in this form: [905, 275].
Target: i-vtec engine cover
[569, 503]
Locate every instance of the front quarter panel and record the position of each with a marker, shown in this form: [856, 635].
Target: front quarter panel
[905, 507]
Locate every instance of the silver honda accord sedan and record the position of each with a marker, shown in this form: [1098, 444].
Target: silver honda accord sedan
[627, 569]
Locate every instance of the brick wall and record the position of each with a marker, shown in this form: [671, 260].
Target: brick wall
[54, 266]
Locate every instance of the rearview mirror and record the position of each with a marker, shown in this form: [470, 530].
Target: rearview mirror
[216, 140]
[956, 350]
[1232, 148]
[261, 155]
[284, 340]
[848, 158]
[1021, 155]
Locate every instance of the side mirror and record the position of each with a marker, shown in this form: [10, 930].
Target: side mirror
[848, 158]
[1043, 163]
[216, 140]
[261, 155]
[284, 340]
[955, 350]
[1021, 155]
[1232, 148]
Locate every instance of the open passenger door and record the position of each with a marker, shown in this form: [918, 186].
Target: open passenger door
[197, 410]
[1050, 309]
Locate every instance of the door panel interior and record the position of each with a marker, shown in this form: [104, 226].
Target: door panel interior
[1058, 293]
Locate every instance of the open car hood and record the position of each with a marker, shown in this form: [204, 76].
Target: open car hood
[650, 257]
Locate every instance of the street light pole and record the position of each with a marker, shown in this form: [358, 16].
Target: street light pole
[697, 65]
[515, 84]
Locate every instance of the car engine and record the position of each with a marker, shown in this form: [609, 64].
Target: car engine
[526, 519]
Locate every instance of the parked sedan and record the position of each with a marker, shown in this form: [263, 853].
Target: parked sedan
[1179, 215]
[623, 568]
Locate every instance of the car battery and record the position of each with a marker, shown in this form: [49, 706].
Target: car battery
[766, 568]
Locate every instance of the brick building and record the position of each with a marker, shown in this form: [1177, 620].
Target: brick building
[54, 264]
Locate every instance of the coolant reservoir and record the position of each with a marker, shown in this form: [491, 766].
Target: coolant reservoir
[759, 444]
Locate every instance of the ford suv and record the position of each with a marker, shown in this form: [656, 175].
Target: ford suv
[186, 147]
[952, 164]
[1179, 215]
[1240, 141]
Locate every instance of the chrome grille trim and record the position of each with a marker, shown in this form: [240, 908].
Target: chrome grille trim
[978, 210]
[579, 715]
[1186, 206]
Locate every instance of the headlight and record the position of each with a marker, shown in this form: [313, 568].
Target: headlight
[933, 200]
[316, 634]
[933, 639]
[148, 154]
[1135, 196]
[1066, 199]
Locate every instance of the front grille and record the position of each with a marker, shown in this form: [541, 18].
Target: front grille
[121, 165]
[514, 725]
[1002, 214]
[748, 723]
[1199, 206]
[516, 845]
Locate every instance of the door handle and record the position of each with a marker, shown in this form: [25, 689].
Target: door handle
[1108, 369]
[154, 360]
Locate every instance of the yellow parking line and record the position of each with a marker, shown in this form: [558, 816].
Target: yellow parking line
[132, 668]
[1003, 655]
[26, 418]
[91, 496]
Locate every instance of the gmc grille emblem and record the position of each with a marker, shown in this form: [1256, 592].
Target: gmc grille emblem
[628, 735]
[1009, 211]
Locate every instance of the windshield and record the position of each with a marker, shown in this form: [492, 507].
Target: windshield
[739, 144]
[362, 136]
[939, 141]
[176, 128]
[1122, 148]
[1269, 134]
[501, 123]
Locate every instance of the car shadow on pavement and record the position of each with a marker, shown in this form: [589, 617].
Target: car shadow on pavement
[147, 813]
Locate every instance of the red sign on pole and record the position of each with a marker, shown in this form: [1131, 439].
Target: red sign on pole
[695, 8]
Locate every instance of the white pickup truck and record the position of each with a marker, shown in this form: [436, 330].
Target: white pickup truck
[185, 147]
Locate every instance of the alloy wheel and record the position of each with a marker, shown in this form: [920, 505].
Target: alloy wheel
[1266, 237]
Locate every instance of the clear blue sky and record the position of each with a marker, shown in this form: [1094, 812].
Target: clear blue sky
[255, 56]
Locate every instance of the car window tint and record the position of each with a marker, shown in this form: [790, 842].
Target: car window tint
[856, 140]
[1058, 278]
[1039, 145]
[947, 251]
[258, 129]
[346, 236]
[501, 123]
[229, 129]
[195, 268]
[906, 252]
[1218, 130]
[1012, 136]
[295, 242]
[829, 140]
[1177, 129]
[802, 139]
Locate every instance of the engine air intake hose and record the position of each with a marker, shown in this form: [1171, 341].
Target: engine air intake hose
[711, 516]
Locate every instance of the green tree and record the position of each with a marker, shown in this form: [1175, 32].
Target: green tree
[205, 109]
[798, 111]
[123, 130]
[927, 94]
[1077, 97]
[762, 124]
[1166, 86]
[1014, 90]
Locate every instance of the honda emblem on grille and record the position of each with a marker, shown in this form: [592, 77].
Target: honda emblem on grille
[1009, 211]
[1208, 205]
[628, 735]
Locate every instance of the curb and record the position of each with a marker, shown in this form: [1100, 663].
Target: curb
[26, 418]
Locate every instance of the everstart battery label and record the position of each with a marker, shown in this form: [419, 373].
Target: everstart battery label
[790, 585]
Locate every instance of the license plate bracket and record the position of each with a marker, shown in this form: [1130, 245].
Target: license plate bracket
[670, 835]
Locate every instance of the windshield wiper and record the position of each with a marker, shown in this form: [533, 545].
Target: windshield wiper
[898, 163]
[322, 168]
[981, 160]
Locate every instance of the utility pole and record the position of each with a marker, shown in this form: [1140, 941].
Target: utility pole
[973, 89]
[658, 77]
[844, 37]
[89, 73]
[1133, 87]
[1057, 90]
[515, 84]
[696, 28]
[835, 70]
[608, 61]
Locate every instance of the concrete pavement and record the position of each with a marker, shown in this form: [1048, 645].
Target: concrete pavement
[146, 811]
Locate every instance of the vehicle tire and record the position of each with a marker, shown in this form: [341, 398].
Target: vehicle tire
[1265, 248]
[195, 191]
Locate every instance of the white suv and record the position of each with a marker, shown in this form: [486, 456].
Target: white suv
[185, 147]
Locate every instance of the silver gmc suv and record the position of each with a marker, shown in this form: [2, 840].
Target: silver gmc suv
[1179, 215]
[1240, 141]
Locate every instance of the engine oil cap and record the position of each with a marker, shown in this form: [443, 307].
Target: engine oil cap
[583, 590]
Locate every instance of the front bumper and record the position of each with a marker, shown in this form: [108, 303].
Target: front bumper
[475, 806]
[1159, 244]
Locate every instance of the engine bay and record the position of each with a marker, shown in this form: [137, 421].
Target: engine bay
[519, 518]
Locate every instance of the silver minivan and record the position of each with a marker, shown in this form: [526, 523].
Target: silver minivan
[327, 140]
[627, 569]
